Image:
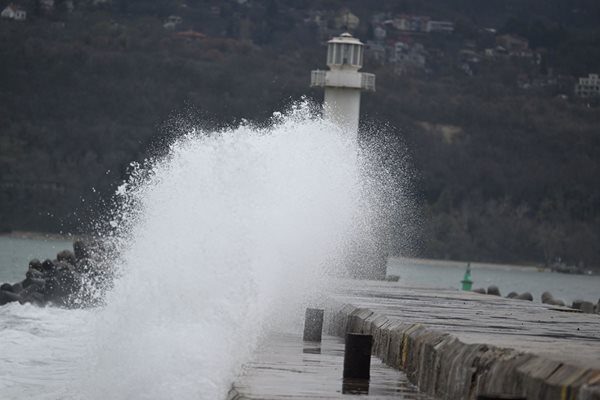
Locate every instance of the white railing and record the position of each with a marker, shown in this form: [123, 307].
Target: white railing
[317, 78]
[367, 81]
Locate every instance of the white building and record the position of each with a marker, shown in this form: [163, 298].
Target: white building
[343, 83]
[440, 26]
[407, 55]
[47, 5]
[379, 32]
[588, 87]
[172, 21]
[14, 12]
[376, 50]
[411, 23]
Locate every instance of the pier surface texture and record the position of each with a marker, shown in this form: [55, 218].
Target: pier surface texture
[452, 345]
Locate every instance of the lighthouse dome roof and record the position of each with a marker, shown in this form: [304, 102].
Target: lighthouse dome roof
[345, 38]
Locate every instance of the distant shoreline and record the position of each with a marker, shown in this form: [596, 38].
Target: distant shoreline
[408, 260]
[453, 263]
[39, 235]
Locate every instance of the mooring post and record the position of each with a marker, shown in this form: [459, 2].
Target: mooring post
[357, 356]
[313, 325]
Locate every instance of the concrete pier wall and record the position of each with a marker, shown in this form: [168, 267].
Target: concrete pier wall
[443, 366]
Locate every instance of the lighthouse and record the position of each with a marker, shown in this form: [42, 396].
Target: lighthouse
[343, 83]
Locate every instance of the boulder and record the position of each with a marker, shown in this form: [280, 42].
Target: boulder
[66, 256]
[33, 273]
[61, 284]
[81, 250]
[17, 287]
[35, 298]
[525, 296]
[587, 307]
[35, 264]
[40, 282]
[8, 297]
[547, 297]
[47, 266]
[512, 295]
[7, 287]
[577, 304]
[493, 290]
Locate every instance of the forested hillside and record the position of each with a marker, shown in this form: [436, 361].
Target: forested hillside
[505, 157]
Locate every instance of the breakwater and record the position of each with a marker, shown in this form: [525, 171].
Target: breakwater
[68, 280]
[457, 345]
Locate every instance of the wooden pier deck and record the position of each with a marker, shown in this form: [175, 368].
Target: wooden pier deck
[453, 345]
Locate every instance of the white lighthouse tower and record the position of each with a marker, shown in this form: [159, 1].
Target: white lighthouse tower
[343, 83]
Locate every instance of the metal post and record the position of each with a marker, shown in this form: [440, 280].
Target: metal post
[467, 282]
[357, 356]
[313, 325]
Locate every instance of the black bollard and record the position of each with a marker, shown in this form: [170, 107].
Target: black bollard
[355, 386]
[313, 325]
[357, 356]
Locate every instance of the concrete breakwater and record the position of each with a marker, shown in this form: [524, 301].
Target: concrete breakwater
[457, 345]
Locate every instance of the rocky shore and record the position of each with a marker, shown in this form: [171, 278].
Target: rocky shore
[70, 280]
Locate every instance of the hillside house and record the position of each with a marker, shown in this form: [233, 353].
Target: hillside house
[172, 21]
[411, 56]
[588, 86]
[379, 33]
[439, 26]
[14, 12]
[513, 43]
[411, 23]
[47, 5]
[375, 50]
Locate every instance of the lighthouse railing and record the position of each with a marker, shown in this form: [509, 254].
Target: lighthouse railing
[317, 78]
[367, 81]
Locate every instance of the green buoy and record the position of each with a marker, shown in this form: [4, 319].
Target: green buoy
[467, 282]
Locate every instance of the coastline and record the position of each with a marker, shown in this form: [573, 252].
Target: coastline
[40, 236]
[461, 264]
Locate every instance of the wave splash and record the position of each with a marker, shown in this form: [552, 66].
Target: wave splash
[229, 233]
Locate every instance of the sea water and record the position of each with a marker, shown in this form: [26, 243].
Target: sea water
[508, 278]
[230, 234]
